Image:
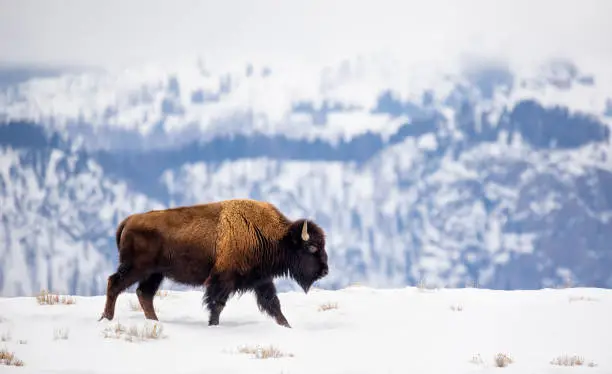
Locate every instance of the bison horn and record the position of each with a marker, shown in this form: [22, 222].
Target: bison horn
[305, 235]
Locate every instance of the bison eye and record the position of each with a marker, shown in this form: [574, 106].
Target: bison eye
[312, 249]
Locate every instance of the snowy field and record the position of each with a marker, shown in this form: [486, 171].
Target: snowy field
[358, 330]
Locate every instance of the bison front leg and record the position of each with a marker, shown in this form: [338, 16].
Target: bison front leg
[146, 292]
[268, 302]
[217, 293]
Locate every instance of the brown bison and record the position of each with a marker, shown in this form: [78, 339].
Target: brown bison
[230, 246]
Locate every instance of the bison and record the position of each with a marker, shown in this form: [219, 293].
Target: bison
[230, 246]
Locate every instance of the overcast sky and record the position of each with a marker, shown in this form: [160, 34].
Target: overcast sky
[130, 32]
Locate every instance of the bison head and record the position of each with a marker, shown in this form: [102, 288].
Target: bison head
[308, 256]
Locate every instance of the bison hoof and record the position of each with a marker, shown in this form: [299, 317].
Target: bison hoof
[105, 316]
[284, 323]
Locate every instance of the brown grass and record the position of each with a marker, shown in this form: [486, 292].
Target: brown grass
[114, 331]
[8, 358]
[502, 360]
[355, 285]
[149, 331]
[60, 334]
[6, 336]
[422, 285]
[567, 360]
[567, 283]
[456, 308]
[162, 293]
[581, 298]
[47, 298]
[264, 352]
[477, 359]
[328, 306]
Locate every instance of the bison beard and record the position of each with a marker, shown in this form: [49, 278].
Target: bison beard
[230, 247]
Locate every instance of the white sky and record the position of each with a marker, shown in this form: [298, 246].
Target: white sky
[116, 33]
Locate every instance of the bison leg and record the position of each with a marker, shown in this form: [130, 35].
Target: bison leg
[268, 302]
[217, 293]
[117, 283]
[146, 292]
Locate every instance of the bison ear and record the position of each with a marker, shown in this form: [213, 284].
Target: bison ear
[305, 235]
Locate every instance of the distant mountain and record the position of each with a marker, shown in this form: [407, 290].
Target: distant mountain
[152, 108]
[481, 174]
[59, 211]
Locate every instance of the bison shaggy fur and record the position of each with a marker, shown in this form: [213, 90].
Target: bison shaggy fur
[230, 246]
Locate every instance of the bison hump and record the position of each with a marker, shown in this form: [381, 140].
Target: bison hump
[245, 230]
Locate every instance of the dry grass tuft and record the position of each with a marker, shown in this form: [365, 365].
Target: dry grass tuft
[264, 352]
[8, 358]
[456, 308]
[422, 285]
[47, 298]
[162, 293]
[60, 334]
[151, 330]
[114, 331]
[567, 360]
[6, 336]
[502, 360]
[581, 298]
[328, 306]
[477, 359]
[567, 283]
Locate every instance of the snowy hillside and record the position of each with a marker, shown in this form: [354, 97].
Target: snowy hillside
[168, 107]
[58, 215]
[403, 217]
[354, 330]
[452, 175]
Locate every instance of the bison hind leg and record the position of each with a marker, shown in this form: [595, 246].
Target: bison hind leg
[117, 283]
[146, 292]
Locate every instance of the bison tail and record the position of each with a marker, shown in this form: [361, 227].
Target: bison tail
[119, 232]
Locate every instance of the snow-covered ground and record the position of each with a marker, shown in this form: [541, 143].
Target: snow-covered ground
[408, 330]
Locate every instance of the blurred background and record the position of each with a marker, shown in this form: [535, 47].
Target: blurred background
[444, 143]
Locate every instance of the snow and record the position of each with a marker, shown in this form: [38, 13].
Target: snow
[55, 219]
[247, 103]
[411, 329]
